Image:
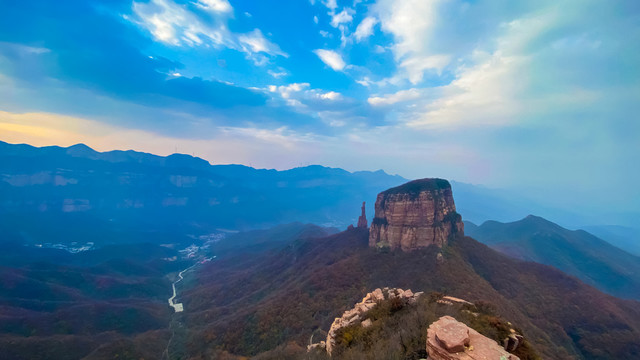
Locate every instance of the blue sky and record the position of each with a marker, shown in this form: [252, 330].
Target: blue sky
[536, 95]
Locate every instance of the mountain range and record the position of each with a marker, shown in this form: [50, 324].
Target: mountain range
[143, 196]
[134, 191]
[92, 242]
[594, 261]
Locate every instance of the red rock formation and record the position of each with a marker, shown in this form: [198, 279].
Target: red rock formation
[449, 339]
[415, 215]
[453, 336]
[362, 220]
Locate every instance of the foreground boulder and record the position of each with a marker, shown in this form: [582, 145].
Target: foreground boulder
[415, 215]
[449, 339]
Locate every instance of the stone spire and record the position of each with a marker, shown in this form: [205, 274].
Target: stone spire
[362, 220]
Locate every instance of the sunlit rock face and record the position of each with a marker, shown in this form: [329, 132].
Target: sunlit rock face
[415, 215]
[449, 339]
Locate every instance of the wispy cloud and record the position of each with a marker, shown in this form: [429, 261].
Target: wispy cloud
[343, 17]
[331, 58]
[330, 4]
[365, 28]
[400, 96]
[215, 6]
[175, 24]
[411, 23]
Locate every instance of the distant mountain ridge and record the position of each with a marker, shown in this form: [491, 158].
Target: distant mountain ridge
[145, 192]
[579, 253]
[133, 190]
[114, 156]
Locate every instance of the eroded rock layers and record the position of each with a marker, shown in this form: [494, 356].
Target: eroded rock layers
[415, 215]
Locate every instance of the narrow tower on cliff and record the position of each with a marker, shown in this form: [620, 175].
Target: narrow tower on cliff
[362, 220]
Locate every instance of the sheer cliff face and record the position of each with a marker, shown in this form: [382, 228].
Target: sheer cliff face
[415, 215]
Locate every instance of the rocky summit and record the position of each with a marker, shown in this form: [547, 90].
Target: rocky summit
[449, 339]
[359, 311]
[415, 215]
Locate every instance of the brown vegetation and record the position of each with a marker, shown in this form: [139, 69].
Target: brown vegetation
[251, 305]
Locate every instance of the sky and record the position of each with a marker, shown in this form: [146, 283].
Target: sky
[541, 96]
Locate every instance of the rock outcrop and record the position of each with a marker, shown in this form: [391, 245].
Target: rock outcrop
[362, 220]
[415, 215]
[450, 300]
[449, 339]
[356, 315]
[511, 342]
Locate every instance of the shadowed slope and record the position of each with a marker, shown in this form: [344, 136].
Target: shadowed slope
[594, 261]
[249, 305]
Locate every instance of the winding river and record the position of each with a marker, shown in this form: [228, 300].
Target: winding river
[177, 307]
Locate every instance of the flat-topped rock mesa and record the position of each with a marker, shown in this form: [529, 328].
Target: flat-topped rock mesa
[415, 215]
[449, 339]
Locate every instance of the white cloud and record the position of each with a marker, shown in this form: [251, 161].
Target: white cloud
[490, 88]
[331, 95]
[411, 22]
[25, 49]
[299, 94]
[400, 96]
[255, 42]
[216, 6]
[379, 49]
[416, 66]
[365, 28]
[174, 24]
[331, 107]
[331, 4]
[315, 19]
[277, 74]
[286, 91]
[481, 95]
[331, 58]
[343, 17]
[365, 81]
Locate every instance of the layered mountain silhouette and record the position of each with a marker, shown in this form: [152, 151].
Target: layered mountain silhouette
[281, 287]
[594, 261]
[136, 192]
